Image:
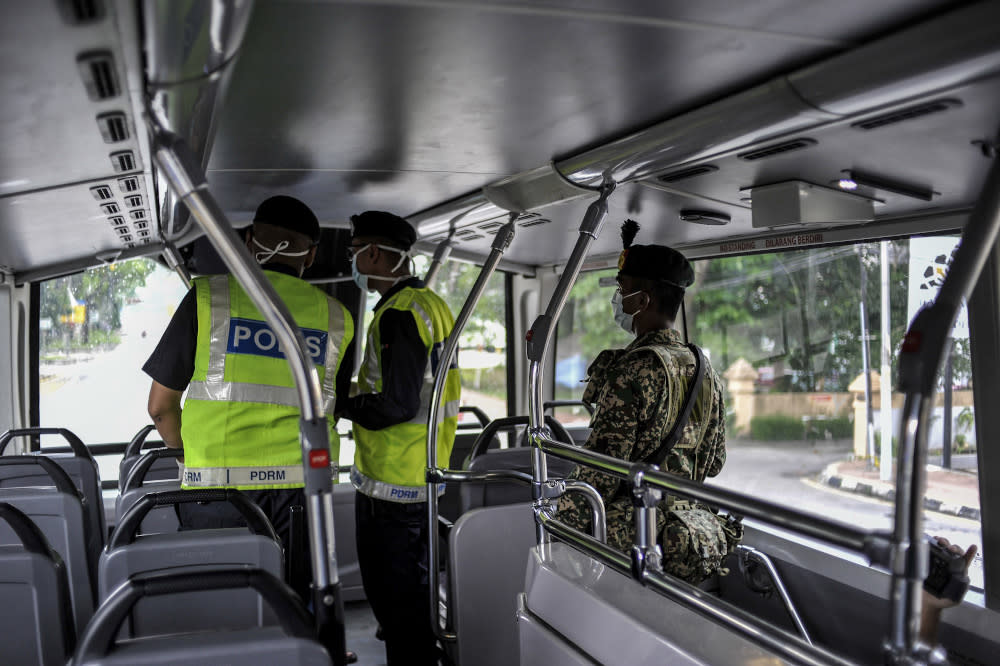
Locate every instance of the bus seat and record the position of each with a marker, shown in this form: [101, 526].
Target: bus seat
[488, 555]
[291, 642]
[449, 504]
[34, 597]
[603, 616]
[476, 494]
[79, 465]
[138, 484]
[129, 554]
[162, 469]
[58, 513]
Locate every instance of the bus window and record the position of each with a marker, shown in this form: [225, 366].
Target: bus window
[97, 328]
[784, 331]
[585, 328]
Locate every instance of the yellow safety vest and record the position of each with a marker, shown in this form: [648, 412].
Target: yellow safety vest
[389, 463]
[240, 422]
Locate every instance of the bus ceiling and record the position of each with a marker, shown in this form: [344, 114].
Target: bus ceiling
[699, 114]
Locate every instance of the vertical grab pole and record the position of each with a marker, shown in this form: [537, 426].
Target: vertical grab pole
[920, 360]
[540, 334]
[500, 244]
[441, 255]
[186, 178]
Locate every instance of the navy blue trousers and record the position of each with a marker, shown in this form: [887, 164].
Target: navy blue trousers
[392, 553]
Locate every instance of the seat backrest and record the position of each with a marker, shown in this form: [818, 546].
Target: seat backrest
[137, 484]
[291, 643]
[129, 554]
[59, 516]
[34, 597]
[79, 465]
[348, 567]
[493, 493]
[488, 550]
[160, 470]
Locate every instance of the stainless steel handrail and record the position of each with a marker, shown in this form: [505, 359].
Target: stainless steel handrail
[441, 254]
[540, 335]
[920, 360]
[785, 644]
[779, 584]
[500, 244]
[873, 544]
[186, 178]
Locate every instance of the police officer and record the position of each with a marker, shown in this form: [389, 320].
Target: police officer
[240, 426]
[638, 392]
[390, 412]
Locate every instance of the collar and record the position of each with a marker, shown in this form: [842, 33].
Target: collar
[661, 336]
[413, 283]
[277, 267]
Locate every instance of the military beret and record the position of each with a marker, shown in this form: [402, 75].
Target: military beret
[653, 262]
[288, 213]
[380, 224]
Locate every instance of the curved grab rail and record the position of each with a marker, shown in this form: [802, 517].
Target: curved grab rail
[137, 475]
[128, 528]
[500, 243]
[920, 359]
[482, 442]
[99, 638]
[481, 416]
[552, 404]
[80, 449]
[135, 445]
[183, 172]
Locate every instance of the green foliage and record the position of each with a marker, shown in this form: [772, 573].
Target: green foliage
[776, 427]
[454, 283]
[104, 290]
[841, 427]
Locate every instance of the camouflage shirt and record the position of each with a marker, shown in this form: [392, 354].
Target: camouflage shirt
[637, 402]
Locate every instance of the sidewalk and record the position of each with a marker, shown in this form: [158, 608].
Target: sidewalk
[948, 491]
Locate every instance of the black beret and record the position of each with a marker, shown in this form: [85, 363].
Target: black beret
[288, 213]
[380, 224]
[656, 262]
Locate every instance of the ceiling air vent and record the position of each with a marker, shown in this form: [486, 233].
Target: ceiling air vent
[138, 214]
[144, 224]
[776, 149]
[908, 113]
[118, 221]
[491, 226]
[109, 209]
[531, 220]
[129, 184]
[81, 11]
[113, 126]
[102, 193]
[133, 201]
[690, 172]
[98, 72]
[123, 161]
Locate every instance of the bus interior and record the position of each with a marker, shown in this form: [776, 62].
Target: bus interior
[829, 168]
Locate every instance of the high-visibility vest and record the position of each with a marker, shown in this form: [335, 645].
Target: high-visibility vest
[240, 421]
[389, 463]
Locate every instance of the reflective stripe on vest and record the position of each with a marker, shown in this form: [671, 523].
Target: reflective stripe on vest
[215, 387]
[200, 477]
[390, 491]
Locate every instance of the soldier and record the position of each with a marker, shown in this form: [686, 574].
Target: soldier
[638, 393]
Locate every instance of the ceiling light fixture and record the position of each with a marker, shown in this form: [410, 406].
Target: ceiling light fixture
[710, 217]
[886, 185]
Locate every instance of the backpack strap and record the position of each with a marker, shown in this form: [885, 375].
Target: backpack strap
[660, 454]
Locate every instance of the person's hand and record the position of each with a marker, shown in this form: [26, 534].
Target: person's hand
[932, 601]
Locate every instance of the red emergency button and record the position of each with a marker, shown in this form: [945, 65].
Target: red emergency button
[319, 459]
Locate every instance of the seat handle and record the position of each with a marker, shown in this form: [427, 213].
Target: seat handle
[26, 530]
[99, 638]
[128, 528]
[137, 475]
[80, 449]
[135, 446]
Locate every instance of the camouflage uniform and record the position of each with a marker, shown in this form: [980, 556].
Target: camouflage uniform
[638, 395]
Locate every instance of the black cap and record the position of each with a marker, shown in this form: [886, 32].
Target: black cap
[653, 262]
[288, 213]
[380, 224]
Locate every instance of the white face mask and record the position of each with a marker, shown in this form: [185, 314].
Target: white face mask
[363, 279]
[621, 317]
